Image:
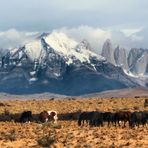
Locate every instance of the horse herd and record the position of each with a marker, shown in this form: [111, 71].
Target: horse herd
[94, 118]
[97, 118]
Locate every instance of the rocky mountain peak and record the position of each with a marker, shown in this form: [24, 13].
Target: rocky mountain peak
[108, 51]
[120, 57]
[134, 55]
[83, 45]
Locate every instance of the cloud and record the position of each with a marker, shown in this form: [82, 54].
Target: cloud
[137, 38]
[13, 38]
[130, 31]
[95, 36]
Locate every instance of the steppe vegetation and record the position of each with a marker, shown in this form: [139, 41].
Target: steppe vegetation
[67, 133]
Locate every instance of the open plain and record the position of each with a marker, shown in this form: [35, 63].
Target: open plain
[67, 133]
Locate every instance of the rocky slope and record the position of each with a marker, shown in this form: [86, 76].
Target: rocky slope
[138, 60]
[134, 63]
[120, 57]
[108, 51]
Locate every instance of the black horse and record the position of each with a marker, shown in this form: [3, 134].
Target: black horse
[26, 116]
[96, 119]
[84, 117]
[109, 117]
[93, 118]
[138, 118]
[123, 116]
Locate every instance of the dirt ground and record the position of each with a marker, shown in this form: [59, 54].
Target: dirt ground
[67, 133]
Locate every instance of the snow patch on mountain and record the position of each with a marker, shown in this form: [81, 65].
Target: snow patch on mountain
[33, 49]
[62, 44]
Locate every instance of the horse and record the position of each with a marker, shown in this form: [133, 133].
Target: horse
[122, 116]
[53, 115]
[138, 118]
[26, 116]
[43, 116]
[109, 117]
[84, 117]
[48, 116]
[96, 119]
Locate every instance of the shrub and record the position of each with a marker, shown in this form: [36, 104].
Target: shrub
[2, 104]
[47, 140]
[6, 112]
[136, 108]
[12, 135]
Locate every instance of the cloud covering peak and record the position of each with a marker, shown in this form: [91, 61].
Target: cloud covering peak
[96, 36]
[13, 38]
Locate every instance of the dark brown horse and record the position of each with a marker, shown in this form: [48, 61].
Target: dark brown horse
[123, 116]
[84, 117]
[43, 116]
[96, 119]
[138, 118]
[48, 116]
[109, 117]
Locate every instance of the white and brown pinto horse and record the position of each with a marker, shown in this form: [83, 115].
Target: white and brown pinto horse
[48, 116]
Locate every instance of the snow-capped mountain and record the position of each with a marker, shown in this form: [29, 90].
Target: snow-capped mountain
[59, 64]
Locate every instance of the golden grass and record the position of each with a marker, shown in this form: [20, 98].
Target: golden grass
[69, 134]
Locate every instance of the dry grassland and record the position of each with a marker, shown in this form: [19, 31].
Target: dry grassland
[67, 133]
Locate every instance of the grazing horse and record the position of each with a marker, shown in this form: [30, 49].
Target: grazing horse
[48, 116]
[43, 116]
[96, 119]
[109, 117]
[146, 115]
[52, 115]
[26, 116]
[138, 118]
[122, 116]
[84, 117]
[93, 118]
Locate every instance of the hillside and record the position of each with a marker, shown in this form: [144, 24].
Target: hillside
[125, 93]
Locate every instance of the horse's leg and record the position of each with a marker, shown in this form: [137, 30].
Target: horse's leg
[108, 123]
[102, 123]
[87, 121]
[90, 122]
[118, 122]
[46, 120]
[79, 122]
[82, 122]
[143, 123]
[125, 122]
[138, 123]
[113, 122]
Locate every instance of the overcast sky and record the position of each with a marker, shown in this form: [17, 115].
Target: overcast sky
[124, 18]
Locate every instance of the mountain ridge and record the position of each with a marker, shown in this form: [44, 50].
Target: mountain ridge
[58, 64]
